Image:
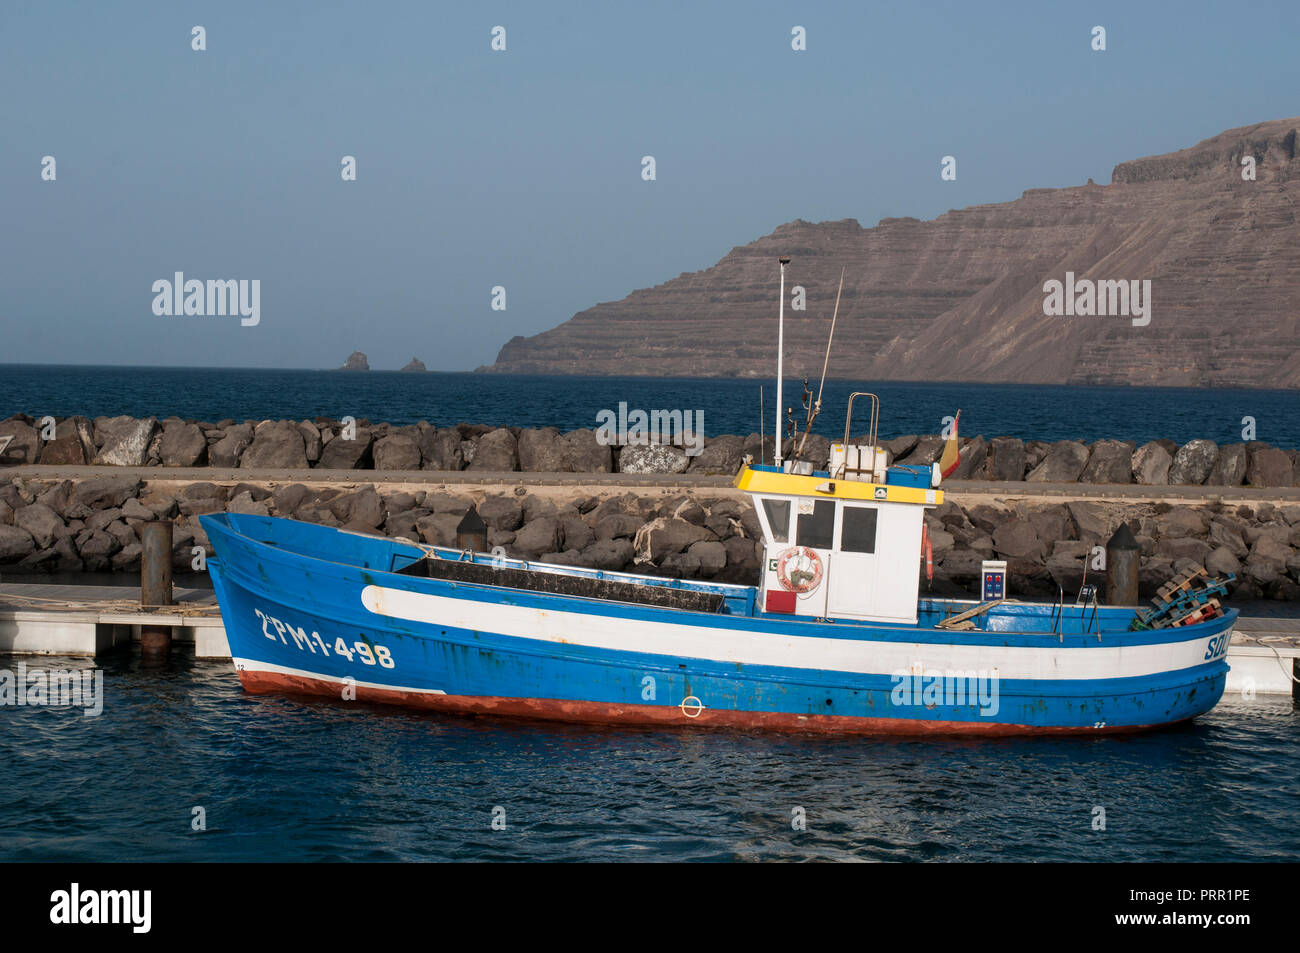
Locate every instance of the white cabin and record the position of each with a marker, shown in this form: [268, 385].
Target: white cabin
[845, 543]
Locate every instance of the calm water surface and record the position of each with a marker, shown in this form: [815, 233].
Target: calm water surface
[729, 406]
[287, 779]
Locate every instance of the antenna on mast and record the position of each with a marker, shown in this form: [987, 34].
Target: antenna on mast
[817, 407]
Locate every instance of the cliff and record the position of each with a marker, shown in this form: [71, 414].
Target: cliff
[961, 297]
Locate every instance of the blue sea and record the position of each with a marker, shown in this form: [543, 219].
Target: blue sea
[280, 778]
[728, 406]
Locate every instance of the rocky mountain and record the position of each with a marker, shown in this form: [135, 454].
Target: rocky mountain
[356, 362]
[416, 366]
[961, 297]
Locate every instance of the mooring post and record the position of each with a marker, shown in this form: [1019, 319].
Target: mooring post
[1123, 556]
[155, 582]
[471, 533]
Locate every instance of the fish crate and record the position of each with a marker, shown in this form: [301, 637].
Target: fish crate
[1185, 598]
[1210, 610]
[1169, 590]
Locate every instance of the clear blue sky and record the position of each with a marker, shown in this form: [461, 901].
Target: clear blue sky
[523, 168]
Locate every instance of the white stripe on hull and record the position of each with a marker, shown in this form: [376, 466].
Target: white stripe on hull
[861, 656]
[256, 665]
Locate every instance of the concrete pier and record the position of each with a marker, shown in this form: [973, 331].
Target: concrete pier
[91, 620]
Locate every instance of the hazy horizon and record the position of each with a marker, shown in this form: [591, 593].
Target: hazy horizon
[478, 168]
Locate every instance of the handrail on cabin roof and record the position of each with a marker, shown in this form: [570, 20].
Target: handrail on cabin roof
[875, 417]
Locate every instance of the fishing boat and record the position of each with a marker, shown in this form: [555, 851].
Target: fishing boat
[834, 637]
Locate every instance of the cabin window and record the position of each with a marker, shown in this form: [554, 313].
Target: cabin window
[817, 529]
[778, 517]
[858, 529]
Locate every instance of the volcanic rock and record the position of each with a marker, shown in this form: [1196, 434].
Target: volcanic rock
[974, 457]
[24, 446]
[73, 443]
[1006, 460]
[899, 447]
[722, 456]
[586, 454]
[1194, 462]
[1111, 461]
[1063, 464]
[397, 451]
[500, 512]
[439, 449]
[342, 453]
[1266, 466]
[495, 451]
[608, 554]
[277, 444]
[182, 445]
[1230, 467]
[15, 543]
[543, 451]
[617, 526]
[541, 535]
[102, 492]
[438, 529]
[577, 534]
[124, 441]
[1018, 539]
[665, 536]
[1151, 463]
[652, 458]
[226, 451]
[925, 452]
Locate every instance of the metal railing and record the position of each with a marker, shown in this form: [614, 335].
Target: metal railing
[875, 417]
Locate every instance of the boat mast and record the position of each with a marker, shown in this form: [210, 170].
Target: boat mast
[780, 355]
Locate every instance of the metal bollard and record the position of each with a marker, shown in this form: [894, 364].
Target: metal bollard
[1123, 557]
[471, 532]
[155, 583]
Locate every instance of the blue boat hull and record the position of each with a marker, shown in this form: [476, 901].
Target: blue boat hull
[319, 611]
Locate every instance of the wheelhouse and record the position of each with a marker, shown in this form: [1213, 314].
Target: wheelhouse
[845, 542]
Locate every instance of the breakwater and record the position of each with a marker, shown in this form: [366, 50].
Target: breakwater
[695, 527]
[357, 444]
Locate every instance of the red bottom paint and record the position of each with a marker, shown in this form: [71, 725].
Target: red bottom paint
[605, 713]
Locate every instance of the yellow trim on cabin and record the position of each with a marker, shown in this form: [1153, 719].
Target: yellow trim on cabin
[793, 484]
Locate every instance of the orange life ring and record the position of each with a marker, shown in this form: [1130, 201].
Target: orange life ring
[799, 569]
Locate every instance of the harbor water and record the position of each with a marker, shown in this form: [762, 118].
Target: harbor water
[280, 778]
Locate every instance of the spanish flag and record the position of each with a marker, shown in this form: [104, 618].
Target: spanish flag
[951, 455]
